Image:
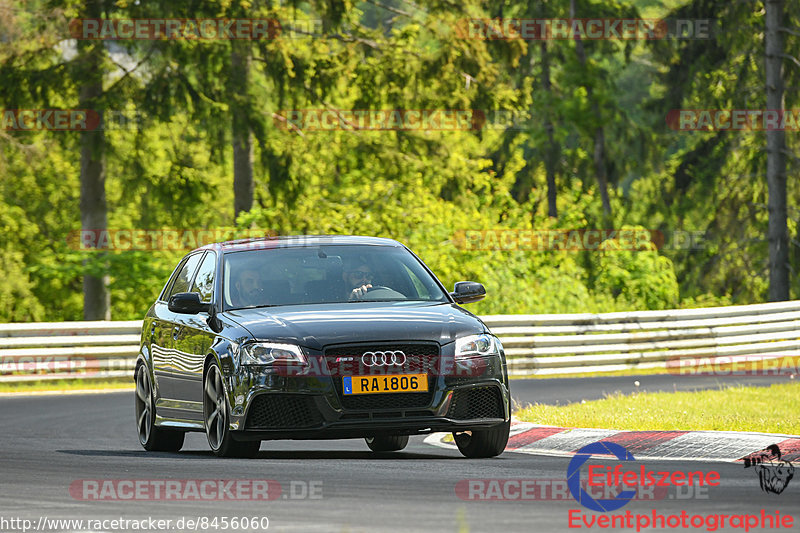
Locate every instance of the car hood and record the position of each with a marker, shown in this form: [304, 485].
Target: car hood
[320, 325]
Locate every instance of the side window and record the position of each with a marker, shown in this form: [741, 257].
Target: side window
[204, 281]
[185, 275]
[168, 287]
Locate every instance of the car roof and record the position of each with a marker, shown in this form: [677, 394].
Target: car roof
[296, 241]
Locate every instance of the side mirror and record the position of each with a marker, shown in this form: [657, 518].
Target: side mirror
[466, 292]
[187, 303]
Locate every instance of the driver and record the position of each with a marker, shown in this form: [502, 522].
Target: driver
[248, 288]
[358, 280]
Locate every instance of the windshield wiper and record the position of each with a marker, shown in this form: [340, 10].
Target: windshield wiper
[383, 300]
[257, 306]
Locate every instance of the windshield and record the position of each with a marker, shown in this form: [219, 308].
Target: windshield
[325, 274]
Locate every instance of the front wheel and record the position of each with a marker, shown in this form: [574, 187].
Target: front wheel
[481, 443]
[387, 443]
[216, 419]
[151, 437]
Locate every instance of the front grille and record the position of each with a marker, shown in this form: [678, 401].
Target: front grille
[375, 402]
[346, 360]
[282, 411]
[479, 402]
[420, 358]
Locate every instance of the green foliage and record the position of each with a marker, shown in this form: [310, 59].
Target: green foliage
[636, 276]
[171, 168]
[17, 300]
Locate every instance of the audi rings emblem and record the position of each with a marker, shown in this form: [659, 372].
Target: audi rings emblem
[388, 358]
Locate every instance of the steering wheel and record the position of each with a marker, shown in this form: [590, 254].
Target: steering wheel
[378, 287]
[380, 292]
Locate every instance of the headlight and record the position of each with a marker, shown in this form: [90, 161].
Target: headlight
[478, 345]
[267, 353]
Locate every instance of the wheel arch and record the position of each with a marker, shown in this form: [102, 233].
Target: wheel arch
[222, 351]
[143, 358]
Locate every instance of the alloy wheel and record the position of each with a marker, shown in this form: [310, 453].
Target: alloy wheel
[144, 405]
[215, 408]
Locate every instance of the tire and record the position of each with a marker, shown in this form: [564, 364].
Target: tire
[216, 419]
[482, 443]
[387, 443]
[152, 438]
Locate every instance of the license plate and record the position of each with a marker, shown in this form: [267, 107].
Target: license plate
[384, 384]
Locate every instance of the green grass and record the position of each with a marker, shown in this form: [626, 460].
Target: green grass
[761, 409]
[67, 385]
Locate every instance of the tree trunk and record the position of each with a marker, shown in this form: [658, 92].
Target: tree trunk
[599, 134]
[777, 232]
[600, 160]
[241, 134]
[96, 295]
[552, 154]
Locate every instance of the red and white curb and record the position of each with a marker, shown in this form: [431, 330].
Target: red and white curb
[712, 446]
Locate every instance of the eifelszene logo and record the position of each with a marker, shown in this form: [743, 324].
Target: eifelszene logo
[774, 473]
[574, 477]
[601, 475]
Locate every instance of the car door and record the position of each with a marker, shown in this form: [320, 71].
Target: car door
[164, 331]
[159, 327]
[193, 341]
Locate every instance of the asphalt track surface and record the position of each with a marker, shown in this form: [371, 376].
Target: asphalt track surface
[50, 443]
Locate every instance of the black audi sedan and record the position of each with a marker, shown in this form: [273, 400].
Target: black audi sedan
[323, 337]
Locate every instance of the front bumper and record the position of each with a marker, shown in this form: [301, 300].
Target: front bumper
[267, 405]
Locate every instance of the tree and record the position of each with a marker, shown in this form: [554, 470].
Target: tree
[777, 232]
[740, 219]
[599, 151]
[205, 99]
[552, 151]
[242, 138]
[37, 72]
[94, 210]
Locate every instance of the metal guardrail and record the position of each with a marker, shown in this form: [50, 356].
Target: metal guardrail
[68, 350]
[534, 344]
[575, 343]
